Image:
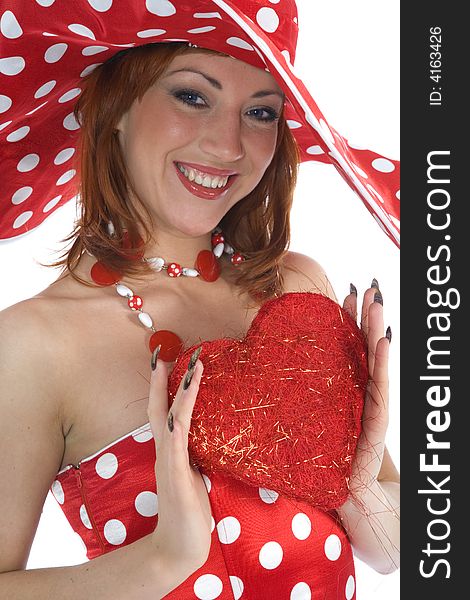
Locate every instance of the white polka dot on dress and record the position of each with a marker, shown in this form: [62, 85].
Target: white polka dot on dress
[268, 496]
[101, 5]
[207, 482]
[237, 586]
[208, 587]
[85, 519]
[383, 165]
[70, 95]
[350, 588]
[294, 124]
[267, 19]
[58, 492]
[202, 29]
[45, 89]
[270, 555]
[314, 150]
[45, 3]
[107, 465]
[332, 547]
[22, 194]
[239, 43]
[301, 591]
[150, 33]
[228, 530]
[12, 65]
[18, 134]
[50, 205]
[161, 8]
[5, 103]
[70, 122]
[22, 219]
[92, 50]
[9, 26]
[143, 434]
[64, 156]
[54, 53]
[301, 526]
[28, 163]
[146, 504]
[115, 532]
[80, 29]
[66, 177]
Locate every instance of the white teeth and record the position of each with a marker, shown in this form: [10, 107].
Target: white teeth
[208, 181]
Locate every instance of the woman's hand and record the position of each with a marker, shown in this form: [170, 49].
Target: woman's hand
[371, 513]
[370, 450]
[183, 532]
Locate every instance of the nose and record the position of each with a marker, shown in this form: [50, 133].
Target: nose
[222, 137]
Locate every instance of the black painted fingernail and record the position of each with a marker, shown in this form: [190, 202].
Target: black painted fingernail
[378, 297]
[194, 357]
[187, 379]
[375, 284]
[170, 422]
[155, 356]
[352, 289]
[388, 334]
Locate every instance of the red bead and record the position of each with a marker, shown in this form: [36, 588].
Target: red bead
[104, 276]
[135, 302]
[174, 270]
[217, 238]
[207, 265]
[237, 258]
[171, 345]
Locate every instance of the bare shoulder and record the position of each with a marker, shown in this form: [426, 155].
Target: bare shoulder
[301, 273]
[30, 424]
[28, 357]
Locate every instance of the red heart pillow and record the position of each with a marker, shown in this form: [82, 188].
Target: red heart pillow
[281, 409]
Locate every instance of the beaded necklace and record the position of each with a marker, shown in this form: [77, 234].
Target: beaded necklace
[206, 267]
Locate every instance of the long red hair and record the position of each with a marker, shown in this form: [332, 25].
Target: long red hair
[258, 226]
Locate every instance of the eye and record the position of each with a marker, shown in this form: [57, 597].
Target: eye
[264, 114]
[190, 97]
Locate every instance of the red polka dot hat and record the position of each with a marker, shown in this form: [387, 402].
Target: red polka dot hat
[47, 47]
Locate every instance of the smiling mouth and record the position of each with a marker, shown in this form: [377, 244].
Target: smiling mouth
[205, 180]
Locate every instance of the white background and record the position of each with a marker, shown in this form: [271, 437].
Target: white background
[348, 55]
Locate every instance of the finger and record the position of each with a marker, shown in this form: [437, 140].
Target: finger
[185, 399]
[366, 302]
[158, 396]
[350, 302]
[375, 323]
[377, 399]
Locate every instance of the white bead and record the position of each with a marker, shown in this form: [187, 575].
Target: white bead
[218, 250]
[124, 291]
[228, 249]
[111, 229]
[156, 263]
[145, 319]
[190, 272]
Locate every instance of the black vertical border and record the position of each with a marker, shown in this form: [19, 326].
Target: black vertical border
[427, 128]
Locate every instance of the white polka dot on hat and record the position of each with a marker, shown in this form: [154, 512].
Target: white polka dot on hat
[48, 47]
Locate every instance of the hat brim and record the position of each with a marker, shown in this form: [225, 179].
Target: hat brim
[38, 133]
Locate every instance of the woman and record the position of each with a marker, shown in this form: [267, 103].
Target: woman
[207, 132]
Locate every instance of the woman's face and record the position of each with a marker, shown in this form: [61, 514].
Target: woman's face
[201, 139]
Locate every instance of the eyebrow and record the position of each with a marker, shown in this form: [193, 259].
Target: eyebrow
[216, 84]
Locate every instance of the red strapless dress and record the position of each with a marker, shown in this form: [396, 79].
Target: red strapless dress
[264, 546]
